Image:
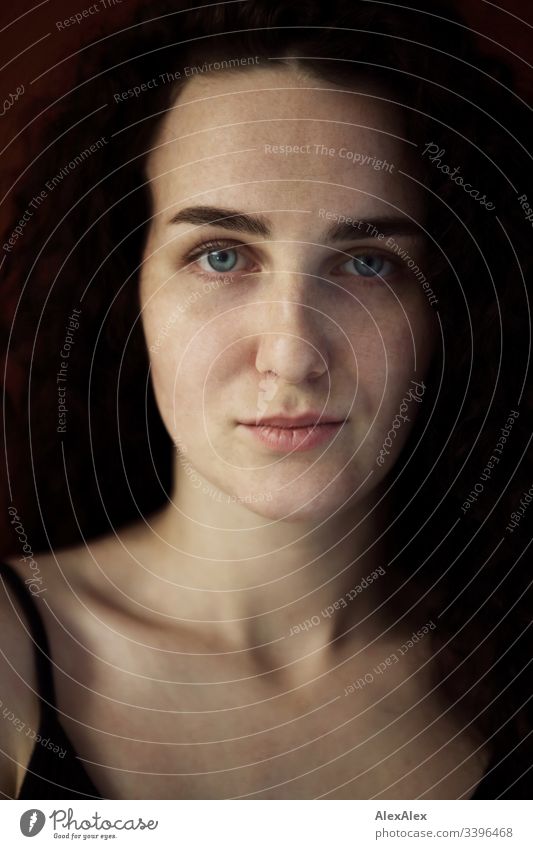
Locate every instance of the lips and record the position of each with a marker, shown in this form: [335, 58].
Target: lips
[294, 434]
[303, 420]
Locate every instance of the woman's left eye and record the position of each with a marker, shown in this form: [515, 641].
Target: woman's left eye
[369, 265]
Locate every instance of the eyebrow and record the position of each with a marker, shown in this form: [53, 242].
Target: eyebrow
[258, 225]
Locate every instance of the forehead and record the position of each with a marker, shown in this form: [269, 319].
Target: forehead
[275, 139]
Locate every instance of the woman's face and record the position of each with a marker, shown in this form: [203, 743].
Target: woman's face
[299, 301]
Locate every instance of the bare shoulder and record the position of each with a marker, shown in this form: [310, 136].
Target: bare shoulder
[76, 578]
[63, 585]
[79, 562]
[19, 705]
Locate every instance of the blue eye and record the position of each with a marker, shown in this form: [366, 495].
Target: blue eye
[216, 258]
[222, 260]
[369, 265]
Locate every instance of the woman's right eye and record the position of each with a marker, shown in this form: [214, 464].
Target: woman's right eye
[218, 258]
[222, 261]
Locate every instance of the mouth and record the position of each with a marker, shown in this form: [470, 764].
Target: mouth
[308, 419]
[293, 437]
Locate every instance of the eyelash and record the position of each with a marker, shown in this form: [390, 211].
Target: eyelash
[223, 244]
[209, 247]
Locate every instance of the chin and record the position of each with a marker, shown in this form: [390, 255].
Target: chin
[298, 503]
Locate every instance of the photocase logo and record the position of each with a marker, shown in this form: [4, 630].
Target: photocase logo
[32, 822]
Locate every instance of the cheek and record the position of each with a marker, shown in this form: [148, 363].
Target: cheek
[189, 356]
[386, 344]
[390, 351]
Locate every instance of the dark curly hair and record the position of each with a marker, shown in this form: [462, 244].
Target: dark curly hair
[457, 495]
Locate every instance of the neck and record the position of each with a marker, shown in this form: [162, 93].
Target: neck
[258, 581]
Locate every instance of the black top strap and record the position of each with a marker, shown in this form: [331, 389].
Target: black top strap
[43, 664]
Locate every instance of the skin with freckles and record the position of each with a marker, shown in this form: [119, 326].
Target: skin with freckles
[179, 671]
[289, 322]
[271, 285]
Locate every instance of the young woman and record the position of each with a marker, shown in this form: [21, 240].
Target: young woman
[271, 306]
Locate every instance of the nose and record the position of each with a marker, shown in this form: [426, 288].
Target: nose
[292, 339]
